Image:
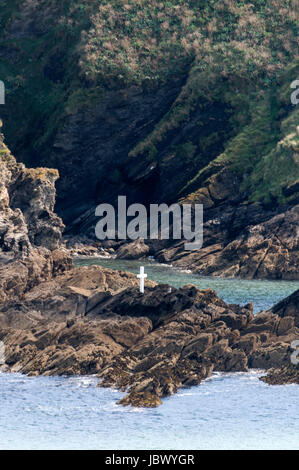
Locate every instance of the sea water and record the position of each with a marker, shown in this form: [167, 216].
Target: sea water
[264, 294]
[227, 411]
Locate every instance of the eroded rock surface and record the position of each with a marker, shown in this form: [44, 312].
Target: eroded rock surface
[95, 321]
[60, 320]
[30, 231]
[250, 240]
[242, 240]
[282, 376]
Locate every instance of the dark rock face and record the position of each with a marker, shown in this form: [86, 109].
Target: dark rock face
[105, 135]
[288, 311]
[240, 239]
[288, 307]
[282, 376]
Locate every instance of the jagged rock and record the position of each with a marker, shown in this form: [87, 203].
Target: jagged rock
[202, 196]
[33, 192]
[263, 322]
[29, 229]
[141, 399]
[78, 292]
[246, 242]
[236, 322]
[88, 321]
[273, 355]
[288, 307]
[248, 343]
[135, 250]
[291, 189]
[288, 374]
[285, 324]
[86, 246]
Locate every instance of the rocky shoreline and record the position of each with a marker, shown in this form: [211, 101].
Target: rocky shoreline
[59, 320]
[88, 321]
[244, 242]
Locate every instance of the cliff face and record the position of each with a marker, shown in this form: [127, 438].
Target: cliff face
[161, 101]
[55, 320]
[30, 232]
[28, 196]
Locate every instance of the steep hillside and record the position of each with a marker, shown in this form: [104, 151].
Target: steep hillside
[130, 91]
[162, 101]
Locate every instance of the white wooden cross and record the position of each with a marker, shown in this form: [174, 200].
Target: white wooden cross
[142, 277]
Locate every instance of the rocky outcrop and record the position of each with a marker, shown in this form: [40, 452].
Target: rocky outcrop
[59, 320]
[288, 311]
[55, 329]
[134, 250]
[30, 231]
[287, 308]
[81, 246]
[241, 240]
[95, 321]
[282, 376]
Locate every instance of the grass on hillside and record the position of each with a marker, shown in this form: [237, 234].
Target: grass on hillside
[231, 52]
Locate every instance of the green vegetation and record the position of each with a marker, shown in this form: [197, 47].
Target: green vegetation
[265, 150]
[143, 40]
[60, 57]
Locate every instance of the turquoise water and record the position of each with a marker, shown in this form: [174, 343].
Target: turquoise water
[228, 411]
[264, 294]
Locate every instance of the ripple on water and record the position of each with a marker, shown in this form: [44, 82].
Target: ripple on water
[226, 411]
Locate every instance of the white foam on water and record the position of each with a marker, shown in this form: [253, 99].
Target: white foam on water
[227, 411]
